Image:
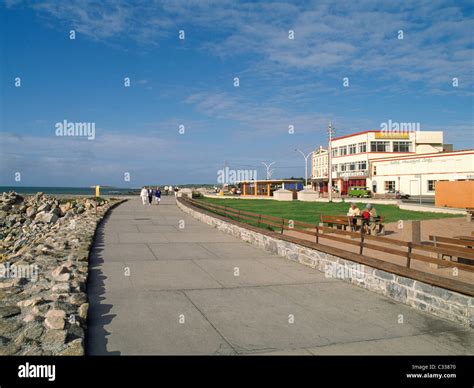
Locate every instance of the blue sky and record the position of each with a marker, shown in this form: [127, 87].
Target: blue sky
[190, 82]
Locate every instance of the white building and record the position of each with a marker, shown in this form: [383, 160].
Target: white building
[320, 164]
[418, 174]
[351, 155]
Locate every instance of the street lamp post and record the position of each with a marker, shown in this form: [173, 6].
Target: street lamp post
[306, 164]
[269, 172]
[330, 133]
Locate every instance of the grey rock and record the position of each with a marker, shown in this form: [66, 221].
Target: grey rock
[9, 311]
[8, 327]
[49, 218]
[44, 208]
[34, 331]
[74, 348]
[53, 340]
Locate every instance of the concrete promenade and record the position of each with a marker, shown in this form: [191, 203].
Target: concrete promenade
[161, 282]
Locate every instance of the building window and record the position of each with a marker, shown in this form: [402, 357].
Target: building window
[389, 185]
[401, 146]
[431, 185]
[352, 166]
[363, 165]
[363, 147]
[379, 146]
[334, 152]
[352, 149]
[342, 151]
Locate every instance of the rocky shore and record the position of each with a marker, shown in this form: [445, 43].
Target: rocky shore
[44, 253]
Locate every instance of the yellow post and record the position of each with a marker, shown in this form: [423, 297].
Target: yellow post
[97, 191]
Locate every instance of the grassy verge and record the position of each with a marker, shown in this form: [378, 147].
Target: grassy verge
[310, 211]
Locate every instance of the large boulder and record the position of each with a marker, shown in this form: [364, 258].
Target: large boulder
[47, 218]
[54, 319]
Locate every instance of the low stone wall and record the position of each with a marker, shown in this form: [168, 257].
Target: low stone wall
[437, 301]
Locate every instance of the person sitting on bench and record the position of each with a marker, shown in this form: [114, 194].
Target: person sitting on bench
[353, 212]
[369, 215]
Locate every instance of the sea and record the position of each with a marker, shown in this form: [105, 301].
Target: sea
[70, 190]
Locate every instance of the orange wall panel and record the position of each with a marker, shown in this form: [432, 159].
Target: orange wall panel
[454, 194]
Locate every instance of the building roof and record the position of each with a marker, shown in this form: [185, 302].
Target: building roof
[354, 134]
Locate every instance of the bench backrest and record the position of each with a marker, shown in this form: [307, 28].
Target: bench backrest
[452, 241]
[334, 219]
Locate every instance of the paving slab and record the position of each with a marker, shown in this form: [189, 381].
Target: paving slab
[243, 272]
[235, 249]
[169, 275]
[141, 237]
[180, 251]
[125, 252]
[148, 323]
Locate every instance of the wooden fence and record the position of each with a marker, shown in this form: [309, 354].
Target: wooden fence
[408, 250]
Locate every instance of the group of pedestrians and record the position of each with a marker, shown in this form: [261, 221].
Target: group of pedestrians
[148, 194]
[169, 190]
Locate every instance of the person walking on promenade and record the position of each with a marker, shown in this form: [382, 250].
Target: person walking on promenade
[176, 191]
[157, 195]
[144, 195]
[170, 190]
[166, 190]
[150, 195]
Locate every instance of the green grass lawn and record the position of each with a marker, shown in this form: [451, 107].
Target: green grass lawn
[310, 211]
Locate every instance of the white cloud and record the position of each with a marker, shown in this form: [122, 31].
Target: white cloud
[330, 38]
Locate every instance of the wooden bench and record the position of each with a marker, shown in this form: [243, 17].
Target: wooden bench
[341, 222]
[448, 242]
[457, 245]
[344, 222]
